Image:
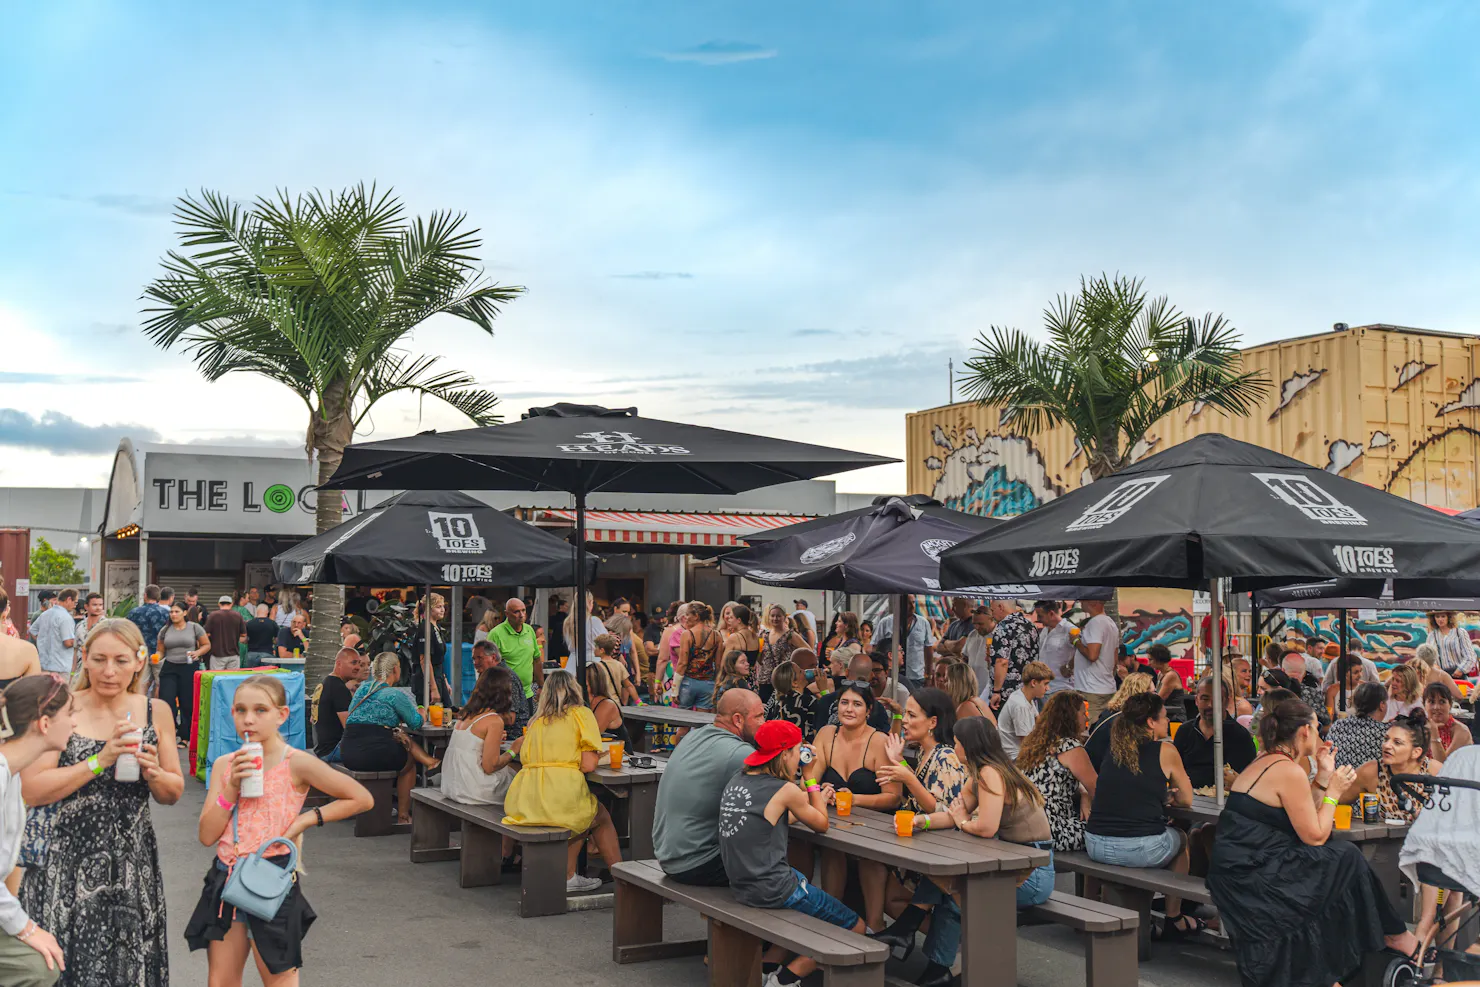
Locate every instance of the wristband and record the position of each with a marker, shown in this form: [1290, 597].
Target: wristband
[1330, 801]
[29, 931]
[320, 813]
[228, 806]
[906, 765]
[809, 783]
[94, 765]
[899, 716]
[924, 822]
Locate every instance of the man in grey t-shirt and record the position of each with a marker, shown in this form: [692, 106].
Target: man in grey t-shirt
[686, 818]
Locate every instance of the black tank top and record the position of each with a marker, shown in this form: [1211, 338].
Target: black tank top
[862, 780]
[620, 733]
[1129, 803]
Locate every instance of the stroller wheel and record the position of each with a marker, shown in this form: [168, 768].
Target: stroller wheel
[1400, 973]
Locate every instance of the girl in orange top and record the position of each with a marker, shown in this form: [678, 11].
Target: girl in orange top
[259, 710]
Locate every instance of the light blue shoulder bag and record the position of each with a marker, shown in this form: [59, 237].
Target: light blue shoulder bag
[256, 885]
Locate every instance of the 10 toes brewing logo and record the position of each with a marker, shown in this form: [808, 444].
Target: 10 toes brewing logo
[1375, 560]
[618, 444]
[1116, 502]
[1057, 562]
[932, 547]
[458, 573]
[456, 533]
[1306, 496]
[827, 549]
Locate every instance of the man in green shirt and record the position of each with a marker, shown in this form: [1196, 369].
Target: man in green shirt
[516, 642]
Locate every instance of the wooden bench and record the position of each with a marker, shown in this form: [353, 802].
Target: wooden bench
[381, 819]
[736, 931]
[1133, 887]
[1110, 936]
[480, 857]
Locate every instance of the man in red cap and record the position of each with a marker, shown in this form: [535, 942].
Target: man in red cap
[753, 831]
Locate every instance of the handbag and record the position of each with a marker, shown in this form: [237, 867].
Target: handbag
[334, 756]
[255, 884]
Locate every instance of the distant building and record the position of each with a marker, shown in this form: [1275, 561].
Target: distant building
[1391, 406]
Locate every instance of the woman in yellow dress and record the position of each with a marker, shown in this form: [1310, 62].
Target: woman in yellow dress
[560, 746]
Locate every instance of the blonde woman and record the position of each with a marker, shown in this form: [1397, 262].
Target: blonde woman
[961, 685]
[1452, 641]
[491, 618]
[1098, 743]
[98, 887]
[594, 626]
[373, 739]
[440, 691]
[1405, 693]
[1428, 658]
[698, 658]
[561, 745]
[778, 641]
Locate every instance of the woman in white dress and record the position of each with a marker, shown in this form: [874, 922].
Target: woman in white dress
[476, 770]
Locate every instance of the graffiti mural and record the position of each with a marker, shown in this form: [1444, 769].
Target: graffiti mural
[990, 475]
[1341, 454]
[1411, 370]
[1394, 634]
[1292, 386]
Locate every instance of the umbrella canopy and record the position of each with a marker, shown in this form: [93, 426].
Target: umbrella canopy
[1358, 594]
[584, 449]
[893, 547]
[1213, 507]
[432, 538]
[923, 505]
[581, 449]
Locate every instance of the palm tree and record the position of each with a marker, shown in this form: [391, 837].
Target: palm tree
[320, 292]
[1113, 366]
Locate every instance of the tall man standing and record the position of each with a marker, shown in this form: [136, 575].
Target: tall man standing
[1014, 644]
[149, 617]
[1055, 644]
[55, 632]
[516, 642]
[1096, 648]
[227, 631]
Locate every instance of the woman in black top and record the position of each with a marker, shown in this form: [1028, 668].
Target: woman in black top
[1127, 822]
[1169, 683]
[1275, 833]
[1097, 744]
[601, 689]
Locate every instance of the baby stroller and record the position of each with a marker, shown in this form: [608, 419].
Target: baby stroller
[1442, 850]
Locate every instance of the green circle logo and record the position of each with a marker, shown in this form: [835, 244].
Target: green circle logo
[278, 498]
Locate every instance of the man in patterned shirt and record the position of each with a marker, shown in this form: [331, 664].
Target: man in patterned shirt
[150, 616]
[1014, 644]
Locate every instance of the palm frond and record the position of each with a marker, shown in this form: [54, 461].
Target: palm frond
[403, 372]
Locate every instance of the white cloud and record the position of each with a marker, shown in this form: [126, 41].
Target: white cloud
[719, 53]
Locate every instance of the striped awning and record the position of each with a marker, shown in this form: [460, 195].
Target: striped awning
[670, 527]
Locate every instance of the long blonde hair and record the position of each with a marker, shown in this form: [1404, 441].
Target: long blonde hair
[128, 634]
[1408, 676]
[560, 694]
[380, 667]
[1135, 683]
[570, 619]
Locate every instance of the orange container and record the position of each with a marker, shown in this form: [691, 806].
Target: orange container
[904, 822]
[434, 713]
[616, 749]
[844, 800]
[1343, 817]
[1175, 725]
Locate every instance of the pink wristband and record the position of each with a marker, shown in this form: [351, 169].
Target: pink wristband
[228, 806]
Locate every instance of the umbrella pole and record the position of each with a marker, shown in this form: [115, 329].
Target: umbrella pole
[426, 652]
[456, 635]
[896, 647]
[1341, 650]
[1215, 595]
[578, 610]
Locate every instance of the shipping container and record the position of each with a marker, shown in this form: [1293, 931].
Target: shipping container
[15, 563]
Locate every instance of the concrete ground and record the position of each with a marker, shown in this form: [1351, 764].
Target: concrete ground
[383, 921]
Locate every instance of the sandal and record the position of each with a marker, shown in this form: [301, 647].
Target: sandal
[1173, 929]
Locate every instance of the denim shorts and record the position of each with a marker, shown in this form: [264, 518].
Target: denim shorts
[814, 901]
[696, 694]
[1039, 885]
[1135, 851]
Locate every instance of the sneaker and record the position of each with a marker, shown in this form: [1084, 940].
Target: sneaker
[773, 979]
[581, 885]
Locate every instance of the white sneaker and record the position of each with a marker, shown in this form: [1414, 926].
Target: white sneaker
[773, 979]
[577, 884]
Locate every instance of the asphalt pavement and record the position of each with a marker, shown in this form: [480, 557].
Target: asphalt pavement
[384, 921]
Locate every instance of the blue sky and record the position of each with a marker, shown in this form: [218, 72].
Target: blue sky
[767, 216]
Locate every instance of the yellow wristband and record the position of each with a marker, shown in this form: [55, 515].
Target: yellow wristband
[1330, 801]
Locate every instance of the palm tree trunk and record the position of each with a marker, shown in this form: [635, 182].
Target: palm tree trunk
[327, 438]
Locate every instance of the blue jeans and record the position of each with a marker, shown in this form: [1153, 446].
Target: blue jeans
[813, 901]
[1135, 851]
[943, 941]
[696, 694]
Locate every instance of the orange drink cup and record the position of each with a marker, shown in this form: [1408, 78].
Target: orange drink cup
[434, 713]
[844, 799]
[1175, 725]
[1343, 817]
[616, 749]
[904, 823]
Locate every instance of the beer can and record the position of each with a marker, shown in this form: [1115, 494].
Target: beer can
[1371, 810]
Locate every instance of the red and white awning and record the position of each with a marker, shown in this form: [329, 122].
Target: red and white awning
[670, 527]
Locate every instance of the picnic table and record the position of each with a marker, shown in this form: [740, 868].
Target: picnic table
[1380, 843]
[638, 718]
[986, 873]
[636, 793]
[433, 740]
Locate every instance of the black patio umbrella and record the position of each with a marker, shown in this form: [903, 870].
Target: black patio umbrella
[432, 538]
[923, 504]
[890, 548]
[1214, 508]
[1359, 594]
[585, 449]
[436, 538]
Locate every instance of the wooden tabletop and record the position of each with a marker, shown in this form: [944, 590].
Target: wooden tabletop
[871, 836]
[675, 715]
[627, 775]
[1205, 809]
[429, 731]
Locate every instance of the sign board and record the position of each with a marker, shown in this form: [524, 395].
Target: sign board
[1202, 602]
[1366, 614]
[120, 582]
[1290, 615]
[22, 587]
[213, 494]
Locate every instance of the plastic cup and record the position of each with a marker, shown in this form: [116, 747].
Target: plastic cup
[434, 713]
[904, 823]
[1343, 817]
[1175, 726]
[616, 749]
[844, 801]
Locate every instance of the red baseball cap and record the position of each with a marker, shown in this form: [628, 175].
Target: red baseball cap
[772, 738]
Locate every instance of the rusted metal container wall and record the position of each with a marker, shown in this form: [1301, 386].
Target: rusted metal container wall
[1396, 409]
[15, 563]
